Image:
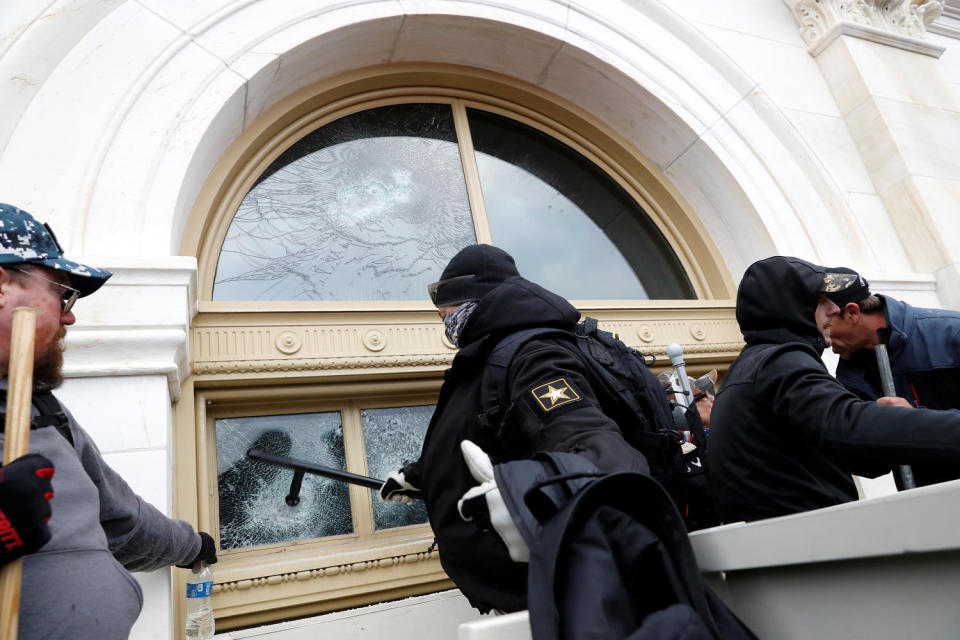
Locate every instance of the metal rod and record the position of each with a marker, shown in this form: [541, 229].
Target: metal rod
[308, 467]
[890, 389]
[293, 497]
[675, 353]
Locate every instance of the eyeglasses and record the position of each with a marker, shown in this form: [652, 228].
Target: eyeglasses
[67, 298]
[435, 286]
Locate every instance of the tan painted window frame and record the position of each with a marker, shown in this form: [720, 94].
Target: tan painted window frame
[315, 399]
[352, 559]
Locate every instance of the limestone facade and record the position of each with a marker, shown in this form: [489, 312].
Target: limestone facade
[817, 128]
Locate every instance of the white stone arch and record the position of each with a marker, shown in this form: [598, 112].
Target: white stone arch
[128, 123]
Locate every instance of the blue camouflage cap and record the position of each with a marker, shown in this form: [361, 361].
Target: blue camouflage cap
[23, 240]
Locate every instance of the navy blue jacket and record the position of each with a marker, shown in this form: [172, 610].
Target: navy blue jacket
[924, 350]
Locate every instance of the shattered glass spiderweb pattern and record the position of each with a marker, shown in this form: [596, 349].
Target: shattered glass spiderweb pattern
[394, 436]
[371, 206]
[253, 509]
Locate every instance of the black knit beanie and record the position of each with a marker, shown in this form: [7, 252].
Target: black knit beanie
[471, 274]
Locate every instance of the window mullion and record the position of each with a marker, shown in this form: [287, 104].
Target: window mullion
[356, 457]
[207, 501]
[471, 173]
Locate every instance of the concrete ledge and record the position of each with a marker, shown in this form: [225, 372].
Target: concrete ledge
[512, 626]
[922, 520]
[880, 568]
[431, 617]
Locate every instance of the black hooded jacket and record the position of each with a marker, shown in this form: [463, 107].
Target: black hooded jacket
[534, 421]
[785, 435]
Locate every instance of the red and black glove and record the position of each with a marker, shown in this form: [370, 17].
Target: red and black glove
[25, 493]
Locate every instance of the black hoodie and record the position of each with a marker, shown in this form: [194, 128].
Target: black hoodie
[784, 434]
[534, 421]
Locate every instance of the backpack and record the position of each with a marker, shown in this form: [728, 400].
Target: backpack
[50, 414]
[609, 555]
[630, 394]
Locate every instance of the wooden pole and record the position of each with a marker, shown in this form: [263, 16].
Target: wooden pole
[16, 444]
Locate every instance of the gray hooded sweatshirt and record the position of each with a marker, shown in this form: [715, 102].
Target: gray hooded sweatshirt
[77, 585]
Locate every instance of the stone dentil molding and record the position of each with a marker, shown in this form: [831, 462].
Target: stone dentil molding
[897, 23]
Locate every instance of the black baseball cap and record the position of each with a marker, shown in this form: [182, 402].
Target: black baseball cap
[842, 286]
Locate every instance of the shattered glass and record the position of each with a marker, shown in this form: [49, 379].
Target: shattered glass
[253, 509]
[371, 206]
[394, 436]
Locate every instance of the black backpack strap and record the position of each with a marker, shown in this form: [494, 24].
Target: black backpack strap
[51, 415]
[643, 396]
[494, 395]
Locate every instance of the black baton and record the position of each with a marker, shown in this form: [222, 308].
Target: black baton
[300, 467]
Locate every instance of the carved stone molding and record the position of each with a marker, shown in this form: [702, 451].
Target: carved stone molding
[138, 324]
[300, 587]
[238, 348]
[948, 24]
[326, 572]
[898, 23]
[334, 364]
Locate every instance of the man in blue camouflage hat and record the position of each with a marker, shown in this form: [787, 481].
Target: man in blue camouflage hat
[75, 582]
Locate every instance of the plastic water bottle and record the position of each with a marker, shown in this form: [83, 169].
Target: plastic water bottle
[199, 607]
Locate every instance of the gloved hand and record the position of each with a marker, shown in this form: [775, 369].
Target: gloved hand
[25, 493]
[396, 489]
[207, 553]
[485, 505]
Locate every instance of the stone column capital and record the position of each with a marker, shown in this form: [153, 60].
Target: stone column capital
[899, 23]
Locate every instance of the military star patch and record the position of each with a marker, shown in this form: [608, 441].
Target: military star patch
[554, 394]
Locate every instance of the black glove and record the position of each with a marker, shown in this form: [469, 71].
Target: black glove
[396, 488]
[207, 554]
[25, 493]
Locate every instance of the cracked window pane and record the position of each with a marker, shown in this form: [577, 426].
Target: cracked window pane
[253, 509]
[371, 206]
[569, 225]
[394, 436]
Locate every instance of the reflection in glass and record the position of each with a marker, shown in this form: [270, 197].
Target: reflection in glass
[394, 437]
[252, 506]
[570, 227]
[369, 207]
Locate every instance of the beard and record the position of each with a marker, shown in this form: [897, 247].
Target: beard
[48, 366]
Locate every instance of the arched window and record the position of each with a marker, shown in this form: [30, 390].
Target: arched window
[316, 339]
[372, 205]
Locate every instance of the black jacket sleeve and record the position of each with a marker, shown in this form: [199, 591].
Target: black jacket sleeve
[555, 408]
[807, 398]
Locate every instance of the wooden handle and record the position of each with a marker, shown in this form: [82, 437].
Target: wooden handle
[16, 443]
[19, 384]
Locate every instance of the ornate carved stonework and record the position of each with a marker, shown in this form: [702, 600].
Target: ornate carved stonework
[238, 346]
[325, 572]
[895, 22]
